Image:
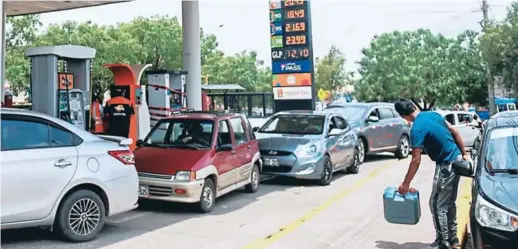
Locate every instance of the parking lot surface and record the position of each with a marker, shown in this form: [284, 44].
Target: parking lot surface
[285, 213]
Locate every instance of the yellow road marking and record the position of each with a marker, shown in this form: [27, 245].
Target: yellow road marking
[463, 207]
[263, 243]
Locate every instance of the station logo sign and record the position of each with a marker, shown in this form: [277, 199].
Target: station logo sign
[292, 93]
[275, 29]
[291, 67]
[275, 15]
[291, 80]
[276, 41]
[275, 4]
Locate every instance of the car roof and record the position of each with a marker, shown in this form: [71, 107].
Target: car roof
[303, 112]
[444, 113]
[85, 135]
[203, 115]
[502, 119]
[367, 105]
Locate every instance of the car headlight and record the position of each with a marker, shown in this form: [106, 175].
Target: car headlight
[307, 150]
[488, 215]
[185, 176]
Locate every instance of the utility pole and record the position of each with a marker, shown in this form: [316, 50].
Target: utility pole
[489, 74]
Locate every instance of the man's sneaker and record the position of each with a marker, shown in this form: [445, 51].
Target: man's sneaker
[438, 244]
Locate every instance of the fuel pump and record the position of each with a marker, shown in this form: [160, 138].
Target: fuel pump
[71, 101]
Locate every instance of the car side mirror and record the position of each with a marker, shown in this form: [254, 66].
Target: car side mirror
[255, 129]
[225, 147]
[140, 142]
[463, 168]
[335, 132]
[373, 119]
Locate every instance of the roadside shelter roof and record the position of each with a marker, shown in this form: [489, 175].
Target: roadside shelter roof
[223, 87]
[17, 8]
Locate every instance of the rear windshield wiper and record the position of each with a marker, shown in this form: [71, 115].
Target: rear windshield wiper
[508, 171]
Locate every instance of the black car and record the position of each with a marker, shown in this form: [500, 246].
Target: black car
[494, 209]
[378, 127]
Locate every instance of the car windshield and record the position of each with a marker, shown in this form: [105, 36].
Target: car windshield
[181, 133]
[350, 113]
[502, 152]
[295, 124]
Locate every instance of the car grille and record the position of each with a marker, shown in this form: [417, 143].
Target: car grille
[279, 153]
[159, 190]
[277, 169]
[156, 176]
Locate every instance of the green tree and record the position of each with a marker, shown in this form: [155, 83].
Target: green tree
[330, 73]
[422, 66]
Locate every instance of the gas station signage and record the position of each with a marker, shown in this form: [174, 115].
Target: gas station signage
[292, 56]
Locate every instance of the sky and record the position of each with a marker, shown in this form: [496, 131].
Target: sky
[347, 24]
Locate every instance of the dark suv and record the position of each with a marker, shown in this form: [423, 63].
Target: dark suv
[378, 127]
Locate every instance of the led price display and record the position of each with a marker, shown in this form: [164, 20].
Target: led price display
[290, 54]
[295, 14]
[295, 27]
[289, 3]
[295, 40]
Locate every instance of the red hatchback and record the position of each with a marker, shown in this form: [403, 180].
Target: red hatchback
[196, 157]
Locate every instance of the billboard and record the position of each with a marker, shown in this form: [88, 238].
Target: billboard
[292, 93]
[291, 80]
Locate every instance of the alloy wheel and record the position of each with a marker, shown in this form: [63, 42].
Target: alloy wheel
[405, 146]
[255, 179]
[328, 172]
[208, 196]
[361, 152]
[84, 216]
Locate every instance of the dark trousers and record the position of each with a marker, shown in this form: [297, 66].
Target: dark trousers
[442, 204]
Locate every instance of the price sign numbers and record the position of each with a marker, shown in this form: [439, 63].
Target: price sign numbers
[295, 40]
[299, 53]
[289, 3]
[295, 27]
[295, 14]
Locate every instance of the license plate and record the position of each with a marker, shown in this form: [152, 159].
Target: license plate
[142, 191]
[271, 162]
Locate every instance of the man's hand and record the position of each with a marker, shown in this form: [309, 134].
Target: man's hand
[403, 188]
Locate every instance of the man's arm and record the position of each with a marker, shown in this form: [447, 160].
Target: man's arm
[458, 139]
[414, 166]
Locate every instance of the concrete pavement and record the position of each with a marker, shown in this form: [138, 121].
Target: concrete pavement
[283, 214]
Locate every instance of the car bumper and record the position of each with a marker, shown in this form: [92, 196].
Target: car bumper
[122, 193]
[302, 168]
[171, 191]
[485, 238]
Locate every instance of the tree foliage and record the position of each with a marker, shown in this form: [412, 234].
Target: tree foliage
[135, 42]
[330, 73]
[423, 66]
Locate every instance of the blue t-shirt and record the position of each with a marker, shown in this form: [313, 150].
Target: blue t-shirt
[430, 132]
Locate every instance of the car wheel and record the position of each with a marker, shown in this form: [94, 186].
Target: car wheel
[80, 216]
[403, 147]
[362, 151]
[207, 197]
[255, 178]
[327, 172]
[355, 167]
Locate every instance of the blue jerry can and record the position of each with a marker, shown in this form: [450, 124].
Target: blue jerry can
[401, 209]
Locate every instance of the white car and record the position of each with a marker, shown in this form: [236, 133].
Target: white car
[465, 123]
[55, 174]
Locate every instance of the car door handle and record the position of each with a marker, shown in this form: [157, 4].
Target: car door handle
[62, 163]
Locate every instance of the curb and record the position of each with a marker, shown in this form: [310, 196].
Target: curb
[463, 207]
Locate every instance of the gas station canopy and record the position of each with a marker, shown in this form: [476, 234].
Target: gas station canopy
[16, 8]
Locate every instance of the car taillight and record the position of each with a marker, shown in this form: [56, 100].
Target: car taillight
[124, 156]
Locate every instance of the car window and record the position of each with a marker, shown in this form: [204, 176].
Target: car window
[340, 123]
[20, 134]
[450, 118]
[60, 137]
[374, 113]
[295, 124]
[502, 148]
[158, 135]
[351, 113]
[250, 134]
[394, 112]
[239, 130]
[182, 133]
[385, 113]
[464, 118]
[223, 133]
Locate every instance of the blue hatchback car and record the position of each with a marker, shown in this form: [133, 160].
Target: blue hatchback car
[307, 145]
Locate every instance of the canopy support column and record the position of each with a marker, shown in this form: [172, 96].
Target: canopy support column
[191, 52]
[2, 50]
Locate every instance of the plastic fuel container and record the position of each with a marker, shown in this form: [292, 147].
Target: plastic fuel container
[401, 209]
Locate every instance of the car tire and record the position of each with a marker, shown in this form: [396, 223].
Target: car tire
[327, 172]
[403, 147]
[255, 177]
[362, 150]
[355, 167]
[207, 197]
[76, 211]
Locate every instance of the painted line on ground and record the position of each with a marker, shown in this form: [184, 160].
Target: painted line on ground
[463, 207]
[265, 242]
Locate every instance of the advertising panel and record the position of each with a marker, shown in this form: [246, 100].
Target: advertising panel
[287, 93]
[292, 67]
[291, 80]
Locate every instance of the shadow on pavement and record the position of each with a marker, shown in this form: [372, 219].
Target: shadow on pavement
[395, 245]
[379, 158]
